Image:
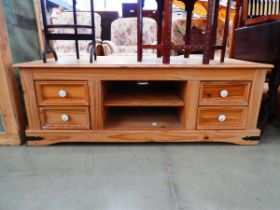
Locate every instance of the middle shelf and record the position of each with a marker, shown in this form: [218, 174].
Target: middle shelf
[143, 93]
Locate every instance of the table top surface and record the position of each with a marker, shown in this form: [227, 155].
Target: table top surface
[194, 62]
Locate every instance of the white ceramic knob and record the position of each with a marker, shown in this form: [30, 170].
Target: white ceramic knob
[154, 124]
[64, 118]
[224, 93]
[222, 118]
[143, 83]
[62, 93]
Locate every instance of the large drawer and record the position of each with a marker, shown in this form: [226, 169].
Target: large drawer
[62, 93]
[225, 93]
[218, 118]
[56, 118]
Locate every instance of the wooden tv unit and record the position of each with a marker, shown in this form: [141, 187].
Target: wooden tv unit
[117, 99]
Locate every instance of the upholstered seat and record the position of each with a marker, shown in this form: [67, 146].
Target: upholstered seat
[124, 36]
[66, 47]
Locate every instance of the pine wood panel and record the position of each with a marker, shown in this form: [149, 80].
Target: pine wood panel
[135, 74]
[143, 93]
[228, 136]
[144, 99]
[9, 101]
[191, 100]
[238, 93]
[208, 118]
[149, 63]
[30, 96]
[76, 93]
[143, 118]
[99, 108]
[78, 118]
[256, 98]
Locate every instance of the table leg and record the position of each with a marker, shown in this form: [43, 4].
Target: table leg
[208, 32]
[166, 36]
[215, 26]
[140, 4]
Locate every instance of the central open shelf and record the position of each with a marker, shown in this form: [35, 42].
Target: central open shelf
[143, 118]
[143, 93]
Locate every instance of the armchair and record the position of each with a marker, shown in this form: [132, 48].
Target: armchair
[124, 36]
[64, 47]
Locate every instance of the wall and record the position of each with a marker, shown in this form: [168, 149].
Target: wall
[22, 29]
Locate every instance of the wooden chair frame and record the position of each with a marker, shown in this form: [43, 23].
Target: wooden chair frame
[164, 45]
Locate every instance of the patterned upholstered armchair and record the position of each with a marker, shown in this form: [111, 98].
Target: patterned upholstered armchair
[64, 47]
[124, 36]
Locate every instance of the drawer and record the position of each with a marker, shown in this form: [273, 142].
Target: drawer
[57, 118]
[218, 118]
[225, 93]
[62, 93]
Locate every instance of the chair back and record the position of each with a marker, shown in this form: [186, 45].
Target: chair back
[124, 31]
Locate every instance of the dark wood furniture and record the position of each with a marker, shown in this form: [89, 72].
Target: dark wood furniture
[165, 16]
[256, 38]
[267, 50]
[259, 11]
[130, 10]
[107, 17]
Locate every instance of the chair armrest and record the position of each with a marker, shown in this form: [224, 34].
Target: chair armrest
[98, 41]
[110, 47]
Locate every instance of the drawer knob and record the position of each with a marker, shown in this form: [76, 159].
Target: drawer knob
[222, 118]
[154, 124]
[64, 118]
[62, 93]
[224, 93]
[143, 83]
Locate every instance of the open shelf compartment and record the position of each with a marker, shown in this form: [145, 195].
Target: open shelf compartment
[143, 93]
[143, 118]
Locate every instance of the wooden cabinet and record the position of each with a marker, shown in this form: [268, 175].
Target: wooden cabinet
[119, 100]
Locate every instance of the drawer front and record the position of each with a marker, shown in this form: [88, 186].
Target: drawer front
[225, 93]
[62, 93]
[218, 118]
[56, 118]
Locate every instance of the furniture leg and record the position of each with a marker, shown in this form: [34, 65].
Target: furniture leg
[93, 49]
[189, 7]
[160, 25]
[208, 32]
[235, 25]
[76, 29]
[225, 34]
[214, 29]
[166, 36]
[48, 49]
[140, 5]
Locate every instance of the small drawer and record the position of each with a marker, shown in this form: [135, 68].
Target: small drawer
[225, 93]
[218, 118]
[57, 118]
[62, 93]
